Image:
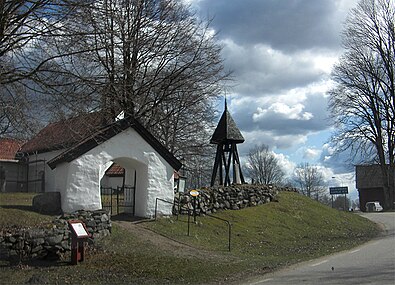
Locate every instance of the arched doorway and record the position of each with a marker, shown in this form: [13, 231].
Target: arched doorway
[119, 185]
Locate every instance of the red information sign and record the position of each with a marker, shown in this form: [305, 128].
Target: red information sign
[79, 236]
[79, 229]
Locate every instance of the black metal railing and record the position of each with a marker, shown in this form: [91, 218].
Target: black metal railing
[229, 227]
[156, 205]
[189, 215]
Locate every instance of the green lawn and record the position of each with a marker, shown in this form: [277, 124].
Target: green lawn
[264, 238]
[16, 211]
[276, 234]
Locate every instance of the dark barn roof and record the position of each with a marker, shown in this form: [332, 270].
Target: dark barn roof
[64, 134]
[227, 130]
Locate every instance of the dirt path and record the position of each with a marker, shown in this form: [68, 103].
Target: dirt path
[167, 244]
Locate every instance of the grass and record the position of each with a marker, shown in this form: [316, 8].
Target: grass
[277, 234]
[264, 238]
[16, 211]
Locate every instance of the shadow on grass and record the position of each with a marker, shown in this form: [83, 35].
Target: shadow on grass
[29, 208]
[126, 217]
[19, 207]
[7, 261]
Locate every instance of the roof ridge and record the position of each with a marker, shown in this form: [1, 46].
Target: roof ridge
[105, 133]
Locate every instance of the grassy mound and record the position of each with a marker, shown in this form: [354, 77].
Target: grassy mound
[264, 238]
[281, 233]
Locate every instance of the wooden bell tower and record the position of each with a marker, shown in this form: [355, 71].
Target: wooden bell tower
[226, 136]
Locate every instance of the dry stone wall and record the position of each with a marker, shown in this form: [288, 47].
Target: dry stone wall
[54, 240]
[234, 197]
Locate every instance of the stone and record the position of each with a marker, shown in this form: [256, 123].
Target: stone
[65, 245]
[218, 198]
[91, 224]
[37, 249]
[53, 240]
[35, 234]
[235, 207]
[105, 218]
[40, 243]
[12, 239]
[19, 246]
[96, 236]
[47, 203]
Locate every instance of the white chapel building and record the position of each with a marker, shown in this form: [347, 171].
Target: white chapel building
[73, 156]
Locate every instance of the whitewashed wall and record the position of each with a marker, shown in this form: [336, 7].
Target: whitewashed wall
[79, 180]
[49, 173]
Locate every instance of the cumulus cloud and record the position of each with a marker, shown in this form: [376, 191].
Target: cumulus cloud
[260, 70]
[286, 164]
[339, 162]
[284, 111]
[281, 54]
[311, 153]
[297, 112]
[269, 138]
[284, 25]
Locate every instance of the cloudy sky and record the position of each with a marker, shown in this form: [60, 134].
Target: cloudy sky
[281, 53]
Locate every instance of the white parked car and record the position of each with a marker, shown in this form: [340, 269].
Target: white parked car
[373, 207]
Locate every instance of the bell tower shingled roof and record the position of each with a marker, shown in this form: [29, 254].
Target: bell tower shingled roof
[227, 130]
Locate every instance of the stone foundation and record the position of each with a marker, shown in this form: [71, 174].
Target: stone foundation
[53, 241]
[234, 197]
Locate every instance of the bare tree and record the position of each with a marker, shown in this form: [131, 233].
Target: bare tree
[363, 102]
[18, 28]
[263, 167]
[152, 59]
[198, 168]
[22, 24]
[342, 202]
[310, 180]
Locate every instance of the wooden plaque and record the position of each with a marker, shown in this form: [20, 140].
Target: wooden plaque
[79, 228]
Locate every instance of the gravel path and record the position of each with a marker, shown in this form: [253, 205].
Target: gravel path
[167, 244]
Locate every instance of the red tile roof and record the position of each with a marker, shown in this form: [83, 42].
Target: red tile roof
[115, 170]
[9, 147]
[64, 134]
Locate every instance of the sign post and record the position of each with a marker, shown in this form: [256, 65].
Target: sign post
[339, 191]
[194, 194]
[79, 236]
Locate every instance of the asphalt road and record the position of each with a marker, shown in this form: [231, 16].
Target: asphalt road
[371, 263]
